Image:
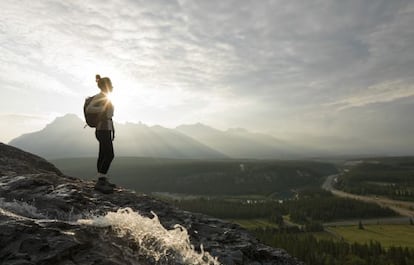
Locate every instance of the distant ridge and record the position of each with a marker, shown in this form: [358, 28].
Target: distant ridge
[66, 137]
[239, 142]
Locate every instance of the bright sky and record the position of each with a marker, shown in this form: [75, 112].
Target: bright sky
[294, 69]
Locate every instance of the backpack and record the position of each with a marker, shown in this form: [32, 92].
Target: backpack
[92, 119]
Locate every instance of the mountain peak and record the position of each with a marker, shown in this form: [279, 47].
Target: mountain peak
[197, 130]
[68, 117]
[197, 125]
[66, 121]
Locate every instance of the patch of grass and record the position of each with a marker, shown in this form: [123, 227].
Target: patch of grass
[288, 221]
[387, 235]
[251, 224]
[324, 236]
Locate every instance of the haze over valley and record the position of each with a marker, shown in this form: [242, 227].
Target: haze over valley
[67, 137]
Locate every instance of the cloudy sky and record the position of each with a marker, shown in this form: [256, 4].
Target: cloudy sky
[300, 70]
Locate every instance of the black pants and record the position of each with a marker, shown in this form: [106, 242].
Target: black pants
[106, 150]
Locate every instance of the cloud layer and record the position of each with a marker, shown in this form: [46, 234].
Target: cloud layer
[325, 67]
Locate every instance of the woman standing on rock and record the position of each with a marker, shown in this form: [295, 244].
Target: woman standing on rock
[105, 131]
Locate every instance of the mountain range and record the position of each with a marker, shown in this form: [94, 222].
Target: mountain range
[66, 137]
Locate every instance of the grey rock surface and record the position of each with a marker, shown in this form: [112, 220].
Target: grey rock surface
[40, 210]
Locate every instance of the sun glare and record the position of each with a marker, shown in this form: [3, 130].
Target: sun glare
[118, 96]
[111, 97]
[122, 99]
[117, 99]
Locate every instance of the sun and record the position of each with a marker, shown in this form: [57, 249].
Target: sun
[121, 102]
[111, 97]
[117, 99]
[120, 96]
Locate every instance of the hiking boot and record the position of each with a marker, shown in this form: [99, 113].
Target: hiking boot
[106, 181]
[104, 186]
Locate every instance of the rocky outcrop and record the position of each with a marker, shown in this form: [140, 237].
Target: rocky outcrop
[49, 218]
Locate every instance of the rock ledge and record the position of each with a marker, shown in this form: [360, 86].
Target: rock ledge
[40, 208]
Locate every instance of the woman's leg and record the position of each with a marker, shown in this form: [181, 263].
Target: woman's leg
[98, 135]
[106, 151]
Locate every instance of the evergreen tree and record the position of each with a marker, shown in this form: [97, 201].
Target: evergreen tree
[360, 226]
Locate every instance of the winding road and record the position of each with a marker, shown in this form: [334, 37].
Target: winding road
[404, 208]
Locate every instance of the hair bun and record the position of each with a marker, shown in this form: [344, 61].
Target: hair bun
[98, 77]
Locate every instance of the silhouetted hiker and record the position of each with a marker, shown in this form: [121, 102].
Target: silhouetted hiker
[102, 106]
